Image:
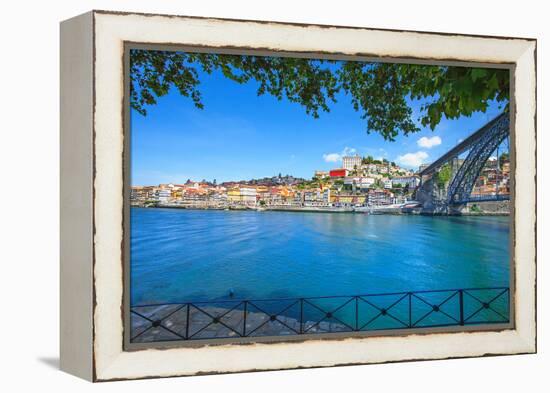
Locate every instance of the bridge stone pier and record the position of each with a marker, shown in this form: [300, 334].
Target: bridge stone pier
[446, 184]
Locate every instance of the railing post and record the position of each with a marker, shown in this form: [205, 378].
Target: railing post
[356, 313]
[301, 315]
[244, 317]
[187, 322]
[509, 305]
[461, 305]
[410, 309]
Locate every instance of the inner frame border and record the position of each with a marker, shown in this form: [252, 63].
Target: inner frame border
[234, 50]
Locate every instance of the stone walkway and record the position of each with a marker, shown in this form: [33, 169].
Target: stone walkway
[169, 323]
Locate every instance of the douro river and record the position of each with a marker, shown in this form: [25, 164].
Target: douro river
[190, 255]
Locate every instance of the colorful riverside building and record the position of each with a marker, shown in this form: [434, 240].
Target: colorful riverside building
[262, 193]
[280, 195]
[234, 195]
[140, 194]
[316, 197]
[380, 197]
[494, 178]
[164, 193]
[248, 195]
[242, 194]
[348, 199]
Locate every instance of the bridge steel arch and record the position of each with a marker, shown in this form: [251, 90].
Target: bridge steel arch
[463, 182]
[481, 144]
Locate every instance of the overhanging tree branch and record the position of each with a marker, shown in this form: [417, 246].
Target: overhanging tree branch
[380, 92]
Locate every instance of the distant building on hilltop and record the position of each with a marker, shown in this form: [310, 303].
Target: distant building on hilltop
[351, 162]
[321, 174]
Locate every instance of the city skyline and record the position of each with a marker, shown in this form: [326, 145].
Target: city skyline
[199, 179]
[262, 136]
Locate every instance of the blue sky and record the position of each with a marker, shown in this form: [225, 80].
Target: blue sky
[239, 136]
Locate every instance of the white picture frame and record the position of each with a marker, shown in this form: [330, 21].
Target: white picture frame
[92, 194]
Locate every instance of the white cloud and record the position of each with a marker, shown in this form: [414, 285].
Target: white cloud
[332, 157]
[413, 160]
[348, 151]
[428, 143]
[335, 157]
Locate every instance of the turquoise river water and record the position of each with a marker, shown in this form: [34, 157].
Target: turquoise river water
[192, 255]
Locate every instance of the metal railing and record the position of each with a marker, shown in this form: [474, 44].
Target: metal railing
[315, 315]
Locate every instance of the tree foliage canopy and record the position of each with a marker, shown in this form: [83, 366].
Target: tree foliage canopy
[443, 176]
[380, 92]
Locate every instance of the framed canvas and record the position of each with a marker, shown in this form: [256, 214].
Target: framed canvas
[246, 195]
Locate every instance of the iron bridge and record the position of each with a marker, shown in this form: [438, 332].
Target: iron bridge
[481, 144]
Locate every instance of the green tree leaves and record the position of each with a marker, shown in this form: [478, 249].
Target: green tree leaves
[380, 92]
[442, 177]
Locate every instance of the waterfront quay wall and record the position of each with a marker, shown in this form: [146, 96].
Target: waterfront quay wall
[487, 208]
[314, 209]
[469, 209]
[290, 208]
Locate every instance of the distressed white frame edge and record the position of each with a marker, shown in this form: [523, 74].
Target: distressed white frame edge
[76, 191]
[112, 30]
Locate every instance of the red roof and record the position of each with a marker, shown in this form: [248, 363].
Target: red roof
[338, 172]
